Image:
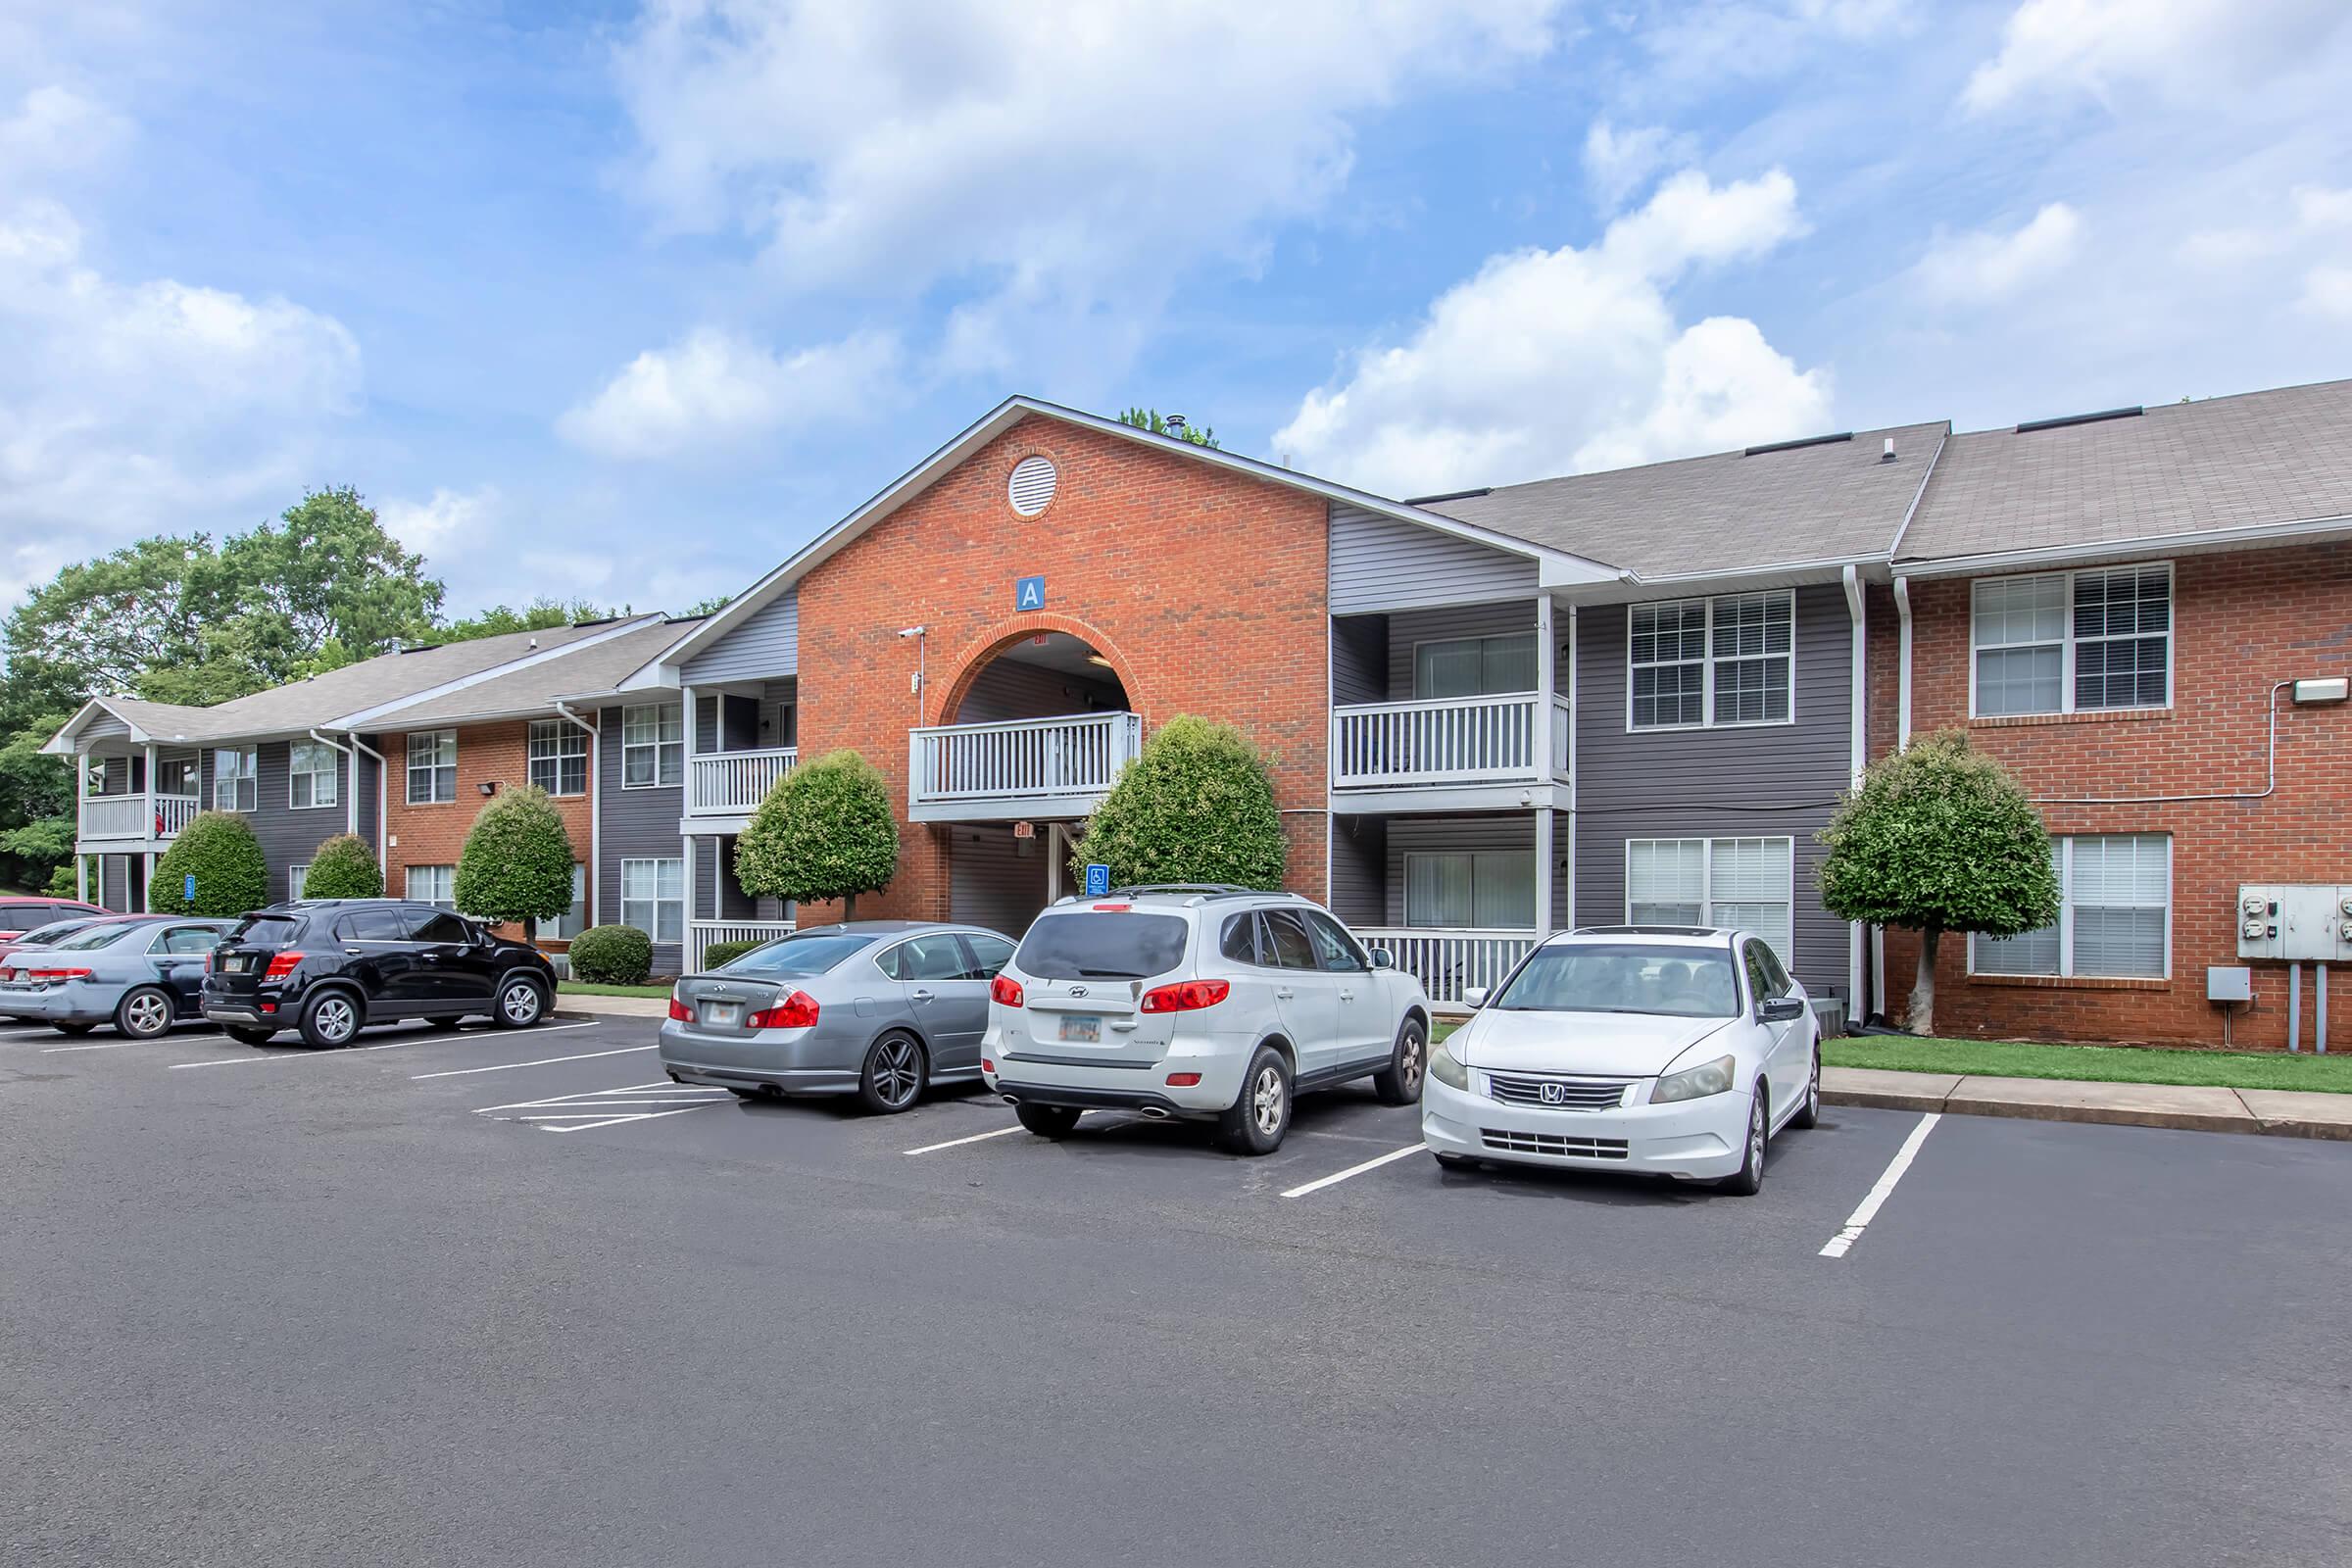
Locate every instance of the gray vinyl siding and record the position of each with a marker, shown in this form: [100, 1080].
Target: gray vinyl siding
[717, 896]
[1379, 563]
[725, 722]
[102, 726]
[290, 837]
[994, 879]
[368, 771]
[767, 643]
[1009, 690]
[1408, 631]
[1359, 857]
[634, 824]
[1359, 659]
[1416, 835]
[114, 883]
[1710, 783]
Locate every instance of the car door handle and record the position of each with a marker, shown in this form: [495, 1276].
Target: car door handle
[1283, 993]
[353, 952]
[922, 995]
[1126, 1026]
[1346, 996]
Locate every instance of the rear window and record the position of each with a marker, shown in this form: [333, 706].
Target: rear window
[797, 958]
[97, 936]
[266, 930]
[1101, 946]
[52, 932]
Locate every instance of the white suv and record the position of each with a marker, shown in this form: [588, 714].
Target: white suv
[1212, 1003]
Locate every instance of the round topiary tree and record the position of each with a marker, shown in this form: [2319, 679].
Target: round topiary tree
[825, 831]
[1939, 837]
[1196, 805]
[516, 864]
[219, 850]
[611, 956]
[344, 868]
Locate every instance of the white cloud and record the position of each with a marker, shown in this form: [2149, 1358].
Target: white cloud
[55, 128]
[1979, 267]
[1551, 362]
[713, 389]
[444, 522]
[2065, 49]
[2328, 290]
[2317, 206]
[1617, 163]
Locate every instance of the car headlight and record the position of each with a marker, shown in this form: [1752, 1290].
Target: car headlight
[1445, 1069]
[1695, 1083]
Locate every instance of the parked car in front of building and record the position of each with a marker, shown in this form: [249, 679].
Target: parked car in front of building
[1669, 1050]
[1206, 1003]
[20, 916]
[876, 1009]
[332, 966]
[142, 973]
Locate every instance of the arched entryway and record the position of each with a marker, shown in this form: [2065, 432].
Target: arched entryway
[1045, 675]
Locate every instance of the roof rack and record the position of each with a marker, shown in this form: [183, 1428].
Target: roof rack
[2063, 420]
[1800, 441]
[1449, 495]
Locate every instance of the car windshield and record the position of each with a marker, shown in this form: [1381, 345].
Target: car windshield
[265, 930]
[796, 957]
[97, 936]
[1102, 944]
[1624, 977]
[55, 931]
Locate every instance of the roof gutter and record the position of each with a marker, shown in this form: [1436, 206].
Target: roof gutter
[2251, 537]
[595, 808]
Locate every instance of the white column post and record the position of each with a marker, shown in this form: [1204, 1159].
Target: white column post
[1542, 872]
[689, 956]
[147, 880]
[1546, 655]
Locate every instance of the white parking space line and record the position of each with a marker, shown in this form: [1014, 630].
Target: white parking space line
[596, 1108]
[1841, 1243]
[1339, 1176]
[111, 1044]
[543, 1061]
[590, 1126]
[994, 1132]
[425, 1038]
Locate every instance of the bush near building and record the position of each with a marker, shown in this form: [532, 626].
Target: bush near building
[344, 868]
[611, 956]
[517, 862]
[722, 952]
[1196, 805]
[218, 848]
[824, 832]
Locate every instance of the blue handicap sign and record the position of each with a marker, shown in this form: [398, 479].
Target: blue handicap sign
[1029, 593]
[1098, 879]
[187, 889]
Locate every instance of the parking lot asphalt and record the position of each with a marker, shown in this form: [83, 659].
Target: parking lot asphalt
[509, 1297]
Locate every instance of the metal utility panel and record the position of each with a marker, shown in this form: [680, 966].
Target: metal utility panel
[2229, 982]
[2298, 922]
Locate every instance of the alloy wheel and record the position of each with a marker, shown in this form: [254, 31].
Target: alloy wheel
[521, 1002]
[147, 1014]
[336, 1020]
[1813, 1088]
[897, 1070]
[1410, 1063]
[1755, 1134]
[1265, 1100]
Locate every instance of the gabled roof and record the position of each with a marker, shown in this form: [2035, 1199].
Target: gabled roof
[2226, 471]
[587, 669]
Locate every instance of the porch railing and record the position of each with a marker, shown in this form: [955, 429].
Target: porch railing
[734, 783]
[1449, 962]
[1038, 761]
[137, 817]
[702, 934]
[1460, 739]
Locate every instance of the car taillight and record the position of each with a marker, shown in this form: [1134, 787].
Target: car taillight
[281, 964]
[1184, 1080]
[1005, 990]
[57, 974]
[679, 1011]
[796, 1011]
[1186, 996]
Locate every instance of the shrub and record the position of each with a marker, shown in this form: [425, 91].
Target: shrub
[722, 952]
[611, 956]
[344, 868]
[825, 831]
[516, 864]
[231, 873]
[1196, 807]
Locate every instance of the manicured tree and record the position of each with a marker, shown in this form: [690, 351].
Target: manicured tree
[344, 868]
[516, 864]
[217, 848]
[1196, 807]
[611, 956]
[1939, 838]
[824, 832]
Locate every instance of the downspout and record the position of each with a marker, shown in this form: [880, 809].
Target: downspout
[1857, 704]
[351, 796]
[1902, 676]
[595, 876]
[381, 770]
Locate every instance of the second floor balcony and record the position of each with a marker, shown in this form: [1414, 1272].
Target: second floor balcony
[1047, 767]
[728, 784]
[1449, 740]
[140, 816]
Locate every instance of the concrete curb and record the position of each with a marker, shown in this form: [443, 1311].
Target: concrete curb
[2278, 1114]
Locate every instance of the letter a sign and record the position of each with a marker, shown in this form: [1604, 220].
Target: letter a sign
[1029, 593]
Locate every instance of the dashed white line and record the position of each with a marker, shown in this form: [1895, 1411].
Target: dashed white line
[543, 1061]
[1338, 1176]
[1841, 1243]
[995, 1132]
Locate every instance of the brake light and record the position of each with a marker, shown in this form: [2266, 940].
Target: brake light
[679, 1011]
[796, 1011]
[57, 974]
[1188, 995]
[1006, 991]
[281, 964]
[1183, 1080]
[1113, 908]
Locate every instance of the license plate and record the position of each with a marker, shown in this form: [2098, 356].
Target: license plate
[722, 1014]
[1082, 1028]
[233, 965]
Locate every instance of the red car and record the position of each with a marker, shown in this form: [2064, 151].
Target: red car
[19, 915]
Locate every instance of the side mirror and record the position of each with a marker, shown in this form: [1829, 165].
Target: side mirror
[1474, 997]
[1383, 958]
[1781, 1009]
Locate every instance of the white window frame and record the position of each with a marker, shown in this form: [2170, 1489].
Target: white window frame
[1481, 639]
[2068, 642]
[432, 768]
[296, 876]
[653, 927]
[2062, 846]
[1706, 881]
[411, 892]
[1708, 663]
[662, 747]
[548, 745]
[579, 901]
[1472, 855]
[245, 789]
[321, 795]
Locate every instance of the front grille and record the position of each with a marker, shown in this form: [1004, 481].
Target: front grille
[1569, 1093]
[1504, 1141]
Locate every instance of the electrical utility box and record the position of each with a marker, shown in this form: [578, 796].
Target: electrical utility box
[2301, 922]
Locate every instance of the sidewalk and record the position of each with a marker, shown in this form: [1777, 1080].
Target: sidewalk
[614, 1006]
[2278, 1113]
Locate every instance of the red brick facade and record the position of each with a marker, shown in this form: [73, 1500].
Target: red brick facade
[2242, 621]
[1206, 591]
[433, 833]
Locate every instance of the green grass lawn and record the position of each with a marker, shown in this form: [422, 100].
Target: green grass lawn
[2119, 1064]
[581, 988]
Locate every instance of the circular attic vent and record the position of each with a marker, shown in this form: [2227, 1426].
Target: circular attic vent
[1031, 489]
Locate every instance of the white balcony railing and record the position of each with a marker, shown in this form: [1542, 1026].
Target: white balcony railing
[1449, 962]
[1461, 740]
[1024, 766]
[734, 783]
[137, 817]
[704, 935]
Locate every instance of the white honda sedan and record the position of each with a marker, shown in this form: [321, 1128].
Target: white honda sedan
[1673, 1051]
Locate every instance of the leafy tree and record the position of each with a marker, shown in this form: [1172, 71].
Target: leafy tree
[218, 848]
[344, 868]
[1939, 837]
[709, 607]
[537, 616]
[323, 587]
[825, 831]
[1196, 807]
[611, 956]
[517, 862]
[1200, 435]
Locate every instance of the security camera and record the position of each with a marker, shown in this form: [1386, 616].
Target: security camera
[910, 632]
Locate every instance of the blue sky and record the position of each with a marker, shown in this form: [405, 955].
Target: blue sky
[628, 301]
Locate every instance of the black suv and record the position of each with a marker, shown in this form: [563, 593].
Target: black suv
[328, 966]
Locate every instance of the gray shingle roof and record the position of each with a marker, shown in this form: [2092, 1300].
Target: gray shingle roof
[535, 688]
[1834, 500]
[2258, 457]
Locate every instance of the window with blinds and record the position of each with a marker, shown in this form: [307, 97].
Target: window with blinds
[1695, 663]
[1480, 890]
[1748, 883]
[1475, 666]
[2069, 642]
[2114, 917]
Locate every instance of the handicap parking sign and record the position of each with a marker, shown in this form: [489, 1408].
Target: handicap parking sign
[1098, 879]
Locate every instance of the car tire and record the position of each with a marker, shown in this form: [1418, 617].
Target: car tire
[1399, 1083]
[1808, 1114]
[1261, 1114]
[522, 1002]
[251, 1037]
[76, 1030]
[893, 1076]
[331, 1019]
[144, 1013]
[1049, 1121]
[1748, 1180]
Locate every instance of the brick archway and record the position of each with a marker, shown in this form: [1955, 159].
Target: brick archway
[984, 650]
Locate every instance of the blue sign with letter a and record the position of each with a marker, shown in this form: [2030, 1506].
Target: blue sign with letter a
[1029, 593]
[1098, 879]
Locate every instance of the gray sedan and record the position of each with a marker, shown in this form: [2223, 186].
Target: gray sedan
[876, 1009]
[142, 974]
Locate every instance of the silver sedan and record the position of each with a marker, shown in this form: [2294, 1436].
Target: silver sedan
[876, 1009]
[141, 974]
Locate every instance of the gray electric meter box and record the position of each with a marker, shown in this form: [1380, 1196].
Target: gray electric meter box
[2302, 922]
